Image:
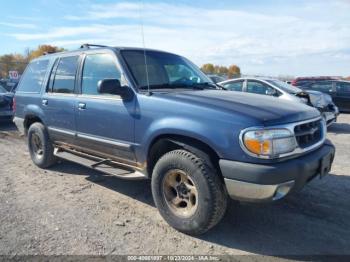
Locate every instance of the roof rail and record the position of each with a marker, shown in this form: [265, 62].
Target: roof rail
[48, 53]
[87, 46]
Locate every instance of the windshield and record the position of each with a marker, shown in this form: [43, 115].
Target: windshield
[165, 71]
[284, 86]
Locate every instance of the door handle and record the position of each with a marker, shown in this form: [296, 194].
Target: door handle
[44, 102]
[82, 106]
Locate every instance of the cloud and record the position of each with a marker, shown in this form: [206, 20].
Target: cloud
[19, 26]
[252, 39]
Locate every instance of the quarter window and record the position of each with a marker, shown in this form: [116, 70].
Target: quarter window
[234, 86]
[64, 80]
[33, 76]
[98, 67]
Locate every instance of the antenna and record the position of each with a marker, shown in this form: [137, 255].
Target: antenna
[142, 6]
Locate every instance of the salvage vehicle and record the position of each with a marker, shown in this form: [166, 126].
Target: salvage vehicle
[6, 98]
[282, 90]
[147, 114]
[338, 90]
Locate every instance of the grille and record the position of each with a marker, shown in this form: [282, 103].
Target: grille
[309, 133]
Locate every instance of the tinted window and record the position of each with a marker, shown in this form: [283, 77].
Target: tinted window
[163, 69]
[321, 86]
[234, 86]
[64, 80]
[33, 76]
[258, 88]
[98, 67]
[343, 87]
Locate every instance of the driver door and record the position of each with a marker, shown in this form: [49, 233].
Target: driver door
[105, 123]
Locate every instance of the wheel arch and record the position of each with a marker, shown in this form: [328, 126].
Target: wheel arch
[30, 119]
[164, 143]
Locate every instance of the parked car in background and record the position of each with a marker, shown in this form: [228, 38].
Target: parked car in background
[216, 78]
[282, 90]
[338, 90]
[6, 100]
[300, 81]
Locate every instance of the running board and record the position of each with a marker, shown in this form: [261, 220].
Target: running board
[100, 164]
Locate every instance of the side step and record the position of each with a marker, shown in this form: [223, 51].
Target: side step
[100, 164]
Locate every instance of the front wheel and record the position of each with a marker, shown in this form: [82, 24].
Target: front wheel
[188, 192]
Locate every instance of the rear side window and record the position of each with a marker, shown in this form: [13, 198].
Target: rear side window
[64, 75]
[234, 86]
[33, 77]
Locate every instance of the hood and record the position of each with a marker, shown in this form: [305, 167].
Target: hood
[319, 99]
[265, 110]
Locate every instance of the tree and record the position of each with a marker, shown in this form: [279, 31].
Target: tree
[42, 49]
[233, 71]
[208, 68]
[221, 70]
[18, 62]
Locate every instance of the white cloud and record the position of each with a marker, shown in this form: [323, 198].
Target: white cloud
[19, 26]
[251, 39]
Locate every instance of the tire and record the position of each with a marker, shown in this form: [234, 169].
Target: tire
[40, 146]
[190, 217]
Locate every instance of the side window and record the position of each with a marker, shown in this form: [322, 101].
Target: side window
[343, 87]
[64, 80]
[98, 67]
[33, 76]
[234, 86]
[322, 86]
[259, 88]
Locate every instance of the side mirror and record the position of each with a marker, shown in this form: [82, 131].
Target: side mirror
[113, 87]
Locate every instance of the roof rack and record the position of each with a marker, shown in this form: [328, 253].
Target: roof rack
[48, 53]
[87, 46]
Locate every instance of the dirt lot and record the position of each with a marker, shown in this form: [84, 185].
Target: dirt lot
[63, 211]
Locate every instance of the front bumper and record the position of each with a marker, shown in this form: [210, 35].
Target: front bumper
[263, 183]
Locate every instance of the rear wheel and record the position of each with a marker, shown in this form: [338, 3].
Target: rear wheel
[40, 146]
[188, 192]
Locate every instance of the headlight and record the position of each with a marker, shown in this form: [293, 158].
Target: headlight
[268, 143]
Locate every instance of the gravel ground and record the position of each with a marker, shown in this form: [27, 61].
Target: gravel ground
[65, 211]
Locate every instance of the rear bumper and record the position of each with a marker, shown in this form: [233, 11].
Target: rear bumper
[263, 183]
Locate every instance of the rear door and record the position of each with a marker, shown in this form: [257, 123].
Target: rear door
[342, 97]
[105, 123]
[58, 102]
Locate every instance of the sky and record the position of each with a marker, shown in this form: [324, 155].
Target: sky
[262, 37]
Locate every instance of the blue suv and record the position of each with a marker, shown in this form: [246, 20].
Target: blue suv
[146, 114]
